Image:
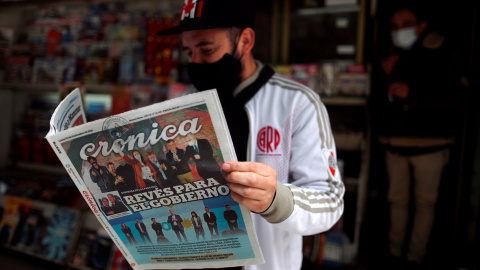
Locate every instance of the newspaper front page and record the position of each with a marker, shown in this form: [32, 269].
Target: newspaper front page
[152, 177]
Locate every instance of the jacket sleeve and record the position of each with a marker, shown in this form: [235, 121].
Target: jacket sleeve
[312, 200]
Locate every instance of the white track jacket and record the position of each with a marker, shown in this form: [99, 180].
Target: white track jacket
[289, 130]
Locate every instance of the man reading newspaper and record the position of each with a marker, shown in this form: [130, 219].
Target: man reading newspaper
[288, 173]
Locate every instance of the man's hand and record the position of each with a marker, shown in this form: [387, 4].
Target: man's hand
[253, 184]
[398, 90]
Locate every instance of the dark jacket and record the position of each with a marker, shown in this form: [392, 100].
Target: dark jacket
[432, 107]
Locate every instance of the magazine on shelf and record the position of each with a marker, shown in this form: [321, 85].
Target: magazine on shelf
[144, 180]
[57, 241]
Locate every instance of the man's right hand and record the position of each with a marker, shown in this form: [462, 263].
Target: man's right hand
[398, 90]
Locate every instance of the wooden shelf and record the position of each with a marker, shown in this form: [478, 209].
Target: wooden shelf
[344, 101]
[41, 168]
[52, 87]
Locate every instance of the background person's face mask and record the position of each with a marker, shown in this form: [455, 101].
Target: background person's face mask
[404, 38]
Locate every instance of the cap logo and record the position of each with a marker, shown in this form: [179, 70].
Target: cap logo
[191, 9]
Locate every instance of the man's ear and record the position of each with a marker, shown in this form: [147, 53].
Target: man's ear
[247, 40]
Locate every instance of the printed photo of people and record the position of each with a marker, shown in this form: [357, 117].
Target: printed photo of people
[112, 205]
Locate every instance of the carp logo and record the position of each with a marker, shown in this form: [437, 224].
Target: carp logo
[268, 139]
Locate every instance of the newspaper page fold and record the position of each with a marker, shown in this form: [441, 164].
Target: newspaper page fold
[152, 178]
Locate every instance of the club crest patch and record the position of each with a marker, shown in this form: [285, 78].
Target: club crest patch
[332, 165]
[268, 140]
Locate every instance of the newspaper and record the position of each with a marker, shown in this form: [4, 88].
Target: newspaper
[147, 182]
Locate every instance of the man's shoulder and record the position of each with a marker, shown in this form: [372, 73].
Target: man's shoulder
[433, 40]
[286, 88]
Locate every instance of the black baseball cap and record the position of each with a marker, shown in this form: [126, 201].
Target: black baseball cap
[209, 14]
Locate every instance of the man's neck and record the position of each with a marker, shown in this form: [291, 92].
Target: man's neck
[250, 79]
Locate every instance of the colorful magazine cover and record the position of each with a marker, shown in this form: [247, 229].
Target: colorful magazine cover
[119, 262]
[93, 250]
[19, 69]
[143, 178]
[84, 248]
[46, 70]
[56, 242]
[14, 207]
[32, 230]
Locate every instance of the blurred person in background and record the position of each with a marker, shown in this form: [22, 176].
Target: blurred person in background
[415, 110]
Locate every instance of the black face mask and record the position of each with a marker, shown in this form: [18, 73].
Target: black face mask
[223, 75]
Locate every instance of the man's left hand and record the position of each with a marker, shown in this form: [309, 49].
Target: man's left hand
[253, 184]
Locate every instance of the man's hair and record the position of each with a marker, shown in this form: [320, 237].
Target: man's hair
[109, 163]
[233, 34]
[150, 152]
[153, 218]
[416, 10]
[90, 158]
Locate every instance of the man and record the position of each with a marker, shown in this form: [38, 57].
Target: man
[165, 173]
[157, 227]
[128, 233]
[176, 222]
[142, 229]
[117, 204]
[114, 178]
[201, 152]
[279, 127]
[178, 160]
[106, 208]
[231, 218]
[126, 175]
[211, 221]
[98, 174]
[411, 102]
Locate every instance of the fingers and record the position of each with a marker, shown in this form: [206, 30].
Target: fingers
[252, 184]
[258, 168]
[257, 204]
